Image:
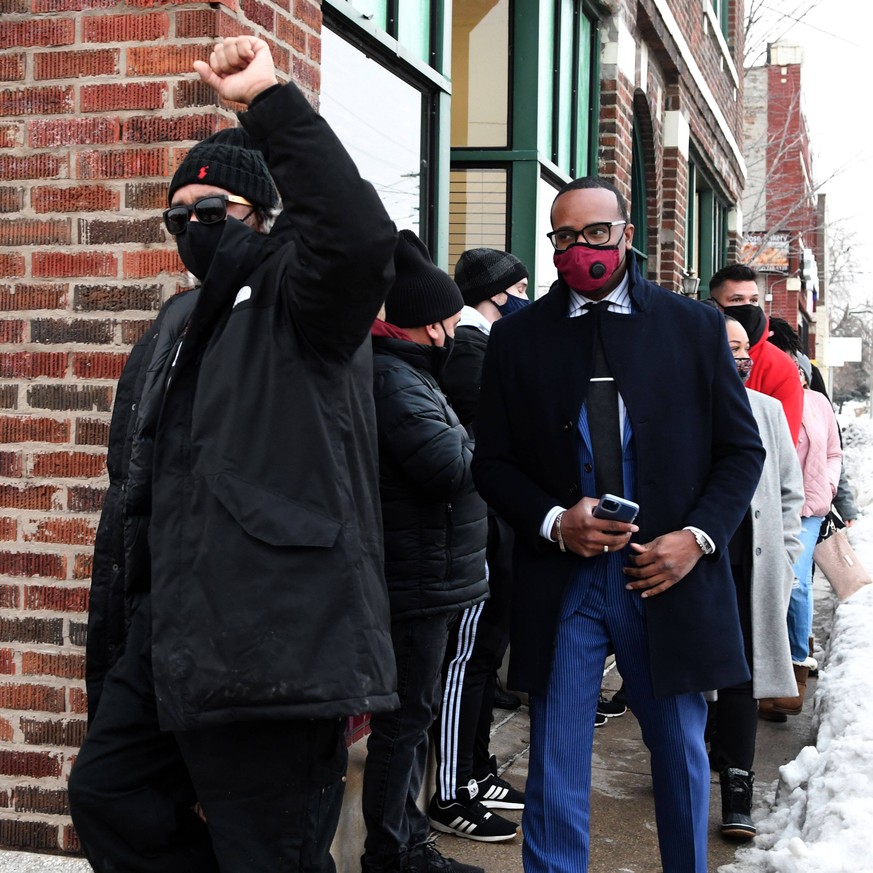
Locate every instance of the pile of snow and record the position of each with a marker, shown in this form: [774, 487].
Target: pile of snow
[821, 819]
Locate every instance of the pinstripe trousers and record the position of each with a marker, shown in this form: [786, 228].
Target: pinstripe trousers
[598, 610]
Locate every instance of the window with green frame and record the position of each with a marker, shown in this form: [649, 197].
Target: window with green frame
[705, 226]
[720, 8]
[567, 96]
[408, 21]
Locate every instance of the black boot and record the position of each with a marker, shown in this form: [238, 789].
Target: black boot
[736, 804]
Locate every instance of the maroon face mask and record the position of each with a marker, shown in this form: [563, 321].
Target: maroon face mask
[586, 269]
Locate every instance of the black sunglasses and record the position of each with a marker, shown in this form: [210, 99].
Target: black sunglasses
[209, 210]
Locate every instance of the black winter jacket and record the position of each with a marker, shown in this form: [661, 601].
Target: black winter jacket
[463, 374]
[253, 458]
[434, 520]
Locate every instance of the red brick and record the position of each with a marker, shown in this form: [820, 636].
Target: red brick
[131, 331]
[31, 836]
[125, 164]
[7, 656]
[134, 95]
[48, 133]
[42, 698]
[11, 465]
[194, 92]
[82, 498]
[71, 5]
[49, 732]
[259, 13]
[308, 13]
[177, 128]
[68, 464]
[38, 32]
[40, 166]
[78, 701]
[62, 665]
[60, 264]
[55, 598]
[11, 265]
[30, 365]
[83, 566]
[37, 764]
[14, 429]
[143, 264]
[49, 100]
[11, 199]
[98, 365]
[78, 198]
[291, 33]
[12, 67]
[126, 28]
[32, 564]
[70, 839]
[165, 60]
[11, 331]
[29, 497]
[31, 798]
[65, 64]
[9, 396]
[69, 531]
[8, 529]
[25, 297]
[34, 232]
[7, 732]
[145, 195]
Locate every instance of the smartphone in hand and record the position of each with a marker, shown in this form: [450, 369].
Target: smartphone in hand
[616, 508]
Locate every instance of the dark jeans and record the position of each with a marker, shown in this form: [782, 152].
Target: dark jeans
[271, 791]
[398, 744]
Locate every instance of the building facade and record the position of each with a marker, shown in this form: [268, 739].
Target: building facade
[785, 218]
[467, 116]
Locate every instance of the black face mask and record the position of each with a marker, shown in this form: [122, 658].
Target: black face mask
[441, 354]
[751, 317]
[197, 246]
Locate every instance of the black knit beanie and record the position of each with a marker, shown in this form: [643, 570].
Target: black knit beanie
[227, 159]
[422, 293]
[482, 273]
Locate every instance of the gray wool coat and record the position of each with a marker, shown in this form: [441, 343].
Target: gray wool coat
[775, 510]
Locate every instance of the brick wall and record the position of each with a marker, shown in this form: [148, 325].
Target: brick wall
[97, 107]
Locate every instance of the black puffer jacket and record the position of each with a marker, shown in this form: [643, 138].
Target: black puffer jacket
[252, 457]
[434, 520]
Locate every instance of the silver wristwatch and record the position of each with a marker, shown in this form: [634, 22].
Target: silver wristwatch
[702, 542]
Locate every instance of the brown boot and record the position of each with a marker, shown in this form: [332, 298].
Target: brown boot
[793, 705]
[765, 710]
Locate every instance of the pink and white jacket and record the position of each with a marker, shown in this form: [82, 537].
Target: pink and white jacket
[820, 454]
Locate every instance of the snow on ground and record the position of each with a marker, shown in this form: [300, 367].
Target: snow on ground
[821, 820]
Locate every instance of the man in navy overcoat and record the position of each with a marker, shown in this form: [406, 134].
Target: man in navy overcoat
[658, 591]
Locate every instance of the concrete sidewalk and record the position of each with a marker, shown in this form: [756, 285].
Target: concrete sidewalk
[623, 834]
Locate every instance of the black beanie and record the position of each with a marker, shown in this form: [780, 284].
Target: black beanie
[228, 159]
[482, 273]
[422, 293]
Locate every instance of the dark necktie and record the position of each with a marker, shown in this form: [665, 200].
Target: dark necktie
[603, 421]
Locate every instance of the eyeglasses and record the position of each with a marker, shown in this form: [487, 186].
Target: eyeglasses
[209, 210]
[597, 234]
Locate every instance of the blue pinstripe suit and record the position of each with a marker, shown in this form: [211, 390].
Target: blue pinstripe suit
[597, 610]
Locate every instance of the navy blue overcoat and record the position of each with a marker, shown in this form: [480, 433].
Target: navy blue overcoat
[699, 457]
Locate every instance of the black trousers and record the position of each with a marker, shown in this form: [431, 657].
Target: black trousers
[398, 744]
[270, 791]
[475, 651]
[736, 710]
